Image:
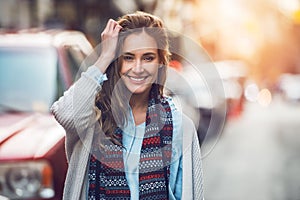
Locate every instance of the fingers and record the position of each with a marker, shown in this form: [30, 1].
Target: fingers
[109, 43]
[112, 29]
[111, 24]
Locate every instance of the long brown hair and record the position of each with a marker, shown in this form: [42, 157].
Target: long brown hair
[111, 102]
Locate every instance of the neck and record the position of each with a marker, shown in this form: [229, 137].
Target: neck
[139, 106]
[139, 101]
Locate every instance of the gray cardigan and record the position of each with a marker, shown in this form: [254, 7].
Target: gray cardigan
[75, 112]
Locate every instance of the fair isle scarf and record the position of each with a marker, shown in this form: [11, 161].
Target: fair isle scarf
[106, 170]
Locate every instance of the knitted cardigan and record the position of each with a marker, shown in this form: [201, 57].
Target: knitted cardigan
[75, 111]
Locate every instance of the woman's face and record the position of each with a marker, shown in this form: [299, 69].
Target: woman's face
[139, 62]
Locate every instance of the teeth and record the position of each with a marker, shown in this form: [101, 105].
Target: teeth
[137, 79]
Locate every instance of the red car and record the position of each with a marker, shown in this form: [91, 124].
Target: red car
[35, 69]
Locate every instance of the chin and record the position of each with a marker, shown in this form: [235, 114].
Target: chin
[140, 89]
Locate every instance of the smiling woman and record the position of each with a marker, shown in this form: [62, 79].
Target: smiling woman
[139, 65]
[125, 139]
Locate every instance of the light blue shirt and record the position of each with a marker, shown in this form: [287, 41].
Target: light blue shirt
[132, 141]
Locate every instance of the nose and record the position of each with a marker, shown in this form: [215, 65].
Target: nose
[138, 67]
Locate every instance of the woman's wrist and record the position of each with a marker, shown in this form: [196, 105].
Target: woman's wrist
[103, 62]
[94, 72]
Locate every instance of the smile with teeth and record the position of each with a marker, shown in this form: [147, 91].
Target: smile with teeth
[137, 79]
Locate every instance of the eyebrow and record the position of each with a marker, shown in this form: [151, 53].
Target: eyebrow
[145, 54]
[128, 53]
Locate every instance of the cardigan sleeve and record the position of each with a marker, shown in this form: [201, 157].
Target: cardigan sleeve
[192, 183]
[197, 168]
[75, 110]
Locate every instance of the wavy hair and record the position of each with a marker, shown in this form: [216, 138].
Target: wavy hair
[111, 104]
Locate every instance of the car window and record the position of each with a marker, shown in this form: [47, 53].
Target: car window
[75, 58]
[28, 78]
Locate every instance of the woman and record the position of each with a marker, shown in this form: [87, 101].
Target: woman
[124, 139]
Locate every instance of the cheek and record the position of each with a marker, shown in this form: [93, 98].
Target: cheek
[153, 68]
[124, 68]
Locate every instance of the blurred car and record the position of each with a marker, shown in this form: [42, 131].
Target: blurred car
[233, 74]
[198, 97]
[35, 68]
[209, 93]
[289, 87]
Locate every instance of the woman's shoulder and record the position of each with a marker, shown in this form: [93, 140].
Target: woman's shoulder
[176, 108]
[180, 119]
[170, 101]
[184, 129]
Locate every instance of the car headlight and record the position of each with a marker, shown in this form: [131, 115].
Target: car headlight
[23, 180]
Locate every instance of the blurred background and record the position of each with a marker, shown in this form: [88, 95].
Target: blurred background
[254, 45]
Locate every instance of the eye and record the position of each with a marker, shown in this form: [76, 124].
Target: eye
[128, 58]
[149, 58]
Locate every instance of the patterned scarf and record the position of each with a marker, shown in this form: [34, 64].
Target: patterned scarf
[106, 170]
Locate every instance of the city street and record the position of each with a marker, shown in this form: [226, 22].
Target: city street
[257, 156]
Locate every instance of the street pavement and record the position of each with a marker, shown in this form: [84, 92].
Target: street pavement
[257, 156]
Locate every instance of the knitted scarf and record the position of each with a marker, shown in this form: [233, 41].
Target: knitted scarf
[106, 170]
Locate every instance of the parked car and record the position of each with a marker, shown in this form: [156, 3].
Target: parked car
[199, 97]
[233, 74]
[289, 87]
[209, 93]
[35, 68]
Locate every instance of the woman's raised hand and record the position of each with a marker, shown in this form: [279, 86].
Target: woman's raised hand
[109, 40]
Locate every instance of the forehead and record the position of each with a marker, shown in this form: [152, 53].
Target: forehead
[139, 42]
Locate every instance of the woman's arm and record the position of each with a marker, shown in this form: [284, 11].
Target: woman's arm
[75, 108]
